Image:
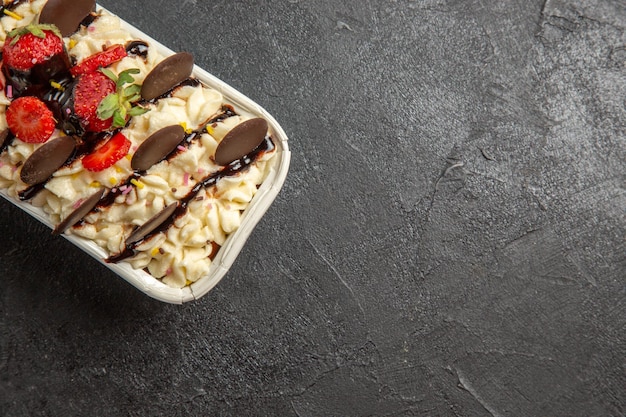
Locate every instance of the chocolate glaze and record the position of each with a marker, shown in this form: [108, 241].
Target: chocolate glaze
[89, 19]
[137, 49]
[225, 112]
[30, 192]
[6, 138]
[191, 82]
[67, 15]
[49, 157]
[170, 72]
[61, 102]
[36, 80]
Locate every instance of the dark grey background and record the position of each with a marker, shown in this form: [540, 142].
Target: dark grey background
[450, 240]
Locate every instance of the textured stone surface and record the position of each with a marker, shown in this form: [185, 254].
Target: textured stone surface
[450, 240]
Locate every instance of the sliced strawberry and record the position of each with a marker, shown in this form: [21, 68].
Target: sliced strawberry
[108, 154]
[30, 119]
[28, 46]
[102, 59]
[90, 90]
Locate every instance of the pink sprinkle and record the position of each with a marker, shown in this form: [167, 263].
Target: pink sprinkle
[1, 164]
[9, 91]
[186, 179]
[181, 148]
[113, 190]
[68, 111]
[169, 271]
[209, 206]
[200, 171]
[127, 190]
[77, 203]
[91, 28]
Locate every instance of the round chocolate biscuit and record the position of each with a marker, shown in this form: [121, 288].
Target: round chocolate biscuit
[149, 226]
[81, 211]
[157, 147]
[49, 157]
[241, 140]
[66, 14]
[168, 73]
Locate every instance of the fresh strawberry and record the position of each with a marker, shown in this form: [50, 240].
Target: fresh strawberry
[90, 90]
[30, 45]
[101, 59]
[108, 154]
[30, 119]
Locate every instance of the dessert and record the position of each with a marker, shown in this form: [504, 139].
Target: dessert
[120, 145]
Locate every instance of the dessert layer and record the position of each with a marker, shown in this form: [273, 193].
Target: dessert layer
[169, 218]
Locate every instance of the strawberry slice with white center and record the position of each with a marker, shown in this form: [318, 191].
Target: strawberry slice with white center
[30, 120]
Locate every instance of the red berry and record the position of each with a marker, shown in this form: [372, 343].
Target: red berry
[90, 90]
[102, 59]
[29, 50]
[108, 154]
[30, 119]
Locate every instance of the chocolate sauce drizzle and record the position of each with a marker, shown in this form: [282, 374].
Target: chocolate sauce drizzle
[12, 5]
[234, 168]
[137, 49]
[6, 140]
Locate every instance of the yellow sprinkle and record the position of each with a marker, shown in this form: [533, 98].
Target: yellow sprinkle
[118, 169]
[188, 283]
[113, 180]
[136, 183]
[185, 128]
[155, 251]
[95, 184]
[56, 85]
[128, 156]
[75, 175]
[209, 129]
[13, 14]
[72, 43]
